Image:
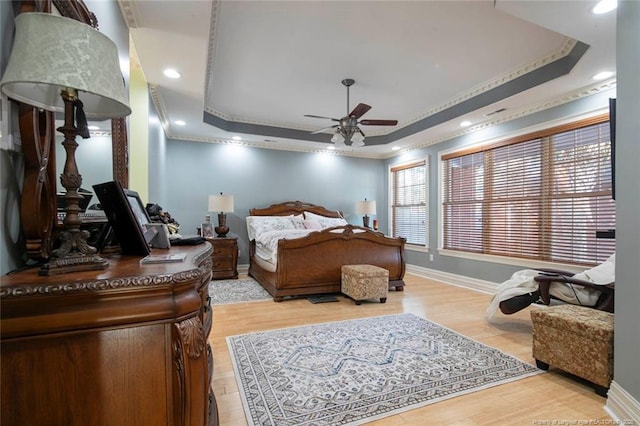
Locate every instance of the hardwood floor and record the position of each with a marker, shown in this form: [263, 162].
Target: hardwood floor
[539, 400]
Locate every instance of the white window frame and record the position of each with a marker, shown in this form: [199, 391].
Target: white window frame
[408, 245]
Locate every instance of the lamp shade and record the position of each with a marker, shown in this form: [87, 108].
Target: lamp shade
[51, 53]
[366, 207]
[221, 203]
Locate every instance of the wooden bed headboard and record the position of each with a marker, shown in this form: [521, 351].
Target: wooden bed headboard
[294, 208]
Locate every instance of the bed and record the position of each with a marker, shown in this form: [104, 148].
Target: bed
[310, 244]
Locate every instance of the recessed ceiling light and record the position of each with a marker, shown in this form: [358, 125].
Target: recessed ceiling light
[604, 6]
[236, 138]
[331, 147]
[93, 127]
[171, 73]
[179, 123]
[395, 148]
[465, 123]
[602, 75]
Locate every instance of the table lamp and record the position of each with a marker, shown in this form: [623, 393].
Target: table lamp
[55, 62]
[222, 204]
[366, 208]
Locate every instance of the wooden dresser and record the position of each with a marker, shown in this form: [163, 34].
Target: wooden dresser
[123, 346]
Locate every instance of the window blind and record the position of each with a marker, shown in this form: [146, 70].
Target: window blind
[409, 204]
[541, 197]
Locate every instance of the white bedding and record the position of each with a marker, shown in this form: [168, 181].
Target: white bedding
[267, 242]
[267, 230]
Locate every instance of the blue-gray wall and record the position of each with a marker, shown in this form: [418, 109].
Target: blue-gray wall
[158, 166]
[627, 332]
[260, 177]
[12, 247]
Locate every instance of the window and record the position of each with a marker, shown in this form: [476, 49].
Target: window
[541, 196]
[409, 202]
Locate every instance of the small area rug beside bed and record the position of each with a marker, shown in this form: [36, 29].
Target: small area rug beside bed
[224, 292]
[352, 372]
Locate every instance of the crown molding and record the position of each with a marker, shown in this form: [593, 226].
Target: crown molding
[564, 50]
[161, 110]
[518, 113]
[283, 146]
[129, 13]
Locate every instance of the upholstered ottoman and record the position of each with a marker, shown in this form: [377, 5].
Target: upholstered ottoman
[576, 339]
[361, 282]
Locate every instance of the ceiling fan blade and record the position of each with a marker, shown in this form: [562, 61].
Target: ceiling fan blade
[319, 116]
[378, 122]
[359, 110]
[323, 129]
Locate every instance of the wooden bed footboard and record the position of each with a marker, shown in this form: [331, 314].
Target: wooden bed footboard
[312, 264]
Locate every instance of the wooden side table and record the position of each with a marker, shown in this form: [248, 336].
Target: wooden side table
[224, 258]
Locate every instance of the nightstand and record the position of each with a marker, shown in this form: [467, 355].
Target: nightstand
[224, 258]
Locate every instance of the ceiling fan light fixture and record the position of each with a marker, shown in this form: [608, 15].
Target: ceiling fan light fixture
[357, 139]
[347, 130]
[337, 138]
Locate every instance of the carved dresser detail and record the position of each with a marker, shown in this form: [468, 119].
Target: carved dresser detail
[123, 346]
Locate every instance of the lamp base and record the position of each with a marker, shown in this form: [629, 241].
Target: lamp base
[73, 255]
[222, 229]
[365, 221]
[73, 264]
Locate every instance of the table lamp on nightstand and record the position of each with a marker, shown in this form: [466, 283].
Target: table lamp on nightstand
[222, 204]
[366, 208]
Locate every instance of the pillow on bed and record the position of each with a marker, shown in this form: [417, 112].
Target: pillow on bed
[257, 225]
[312, 224]
[325, 222]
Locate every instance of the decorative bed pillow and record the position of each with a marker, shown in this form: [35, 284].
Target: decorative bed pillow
[312, 224]
[257, 225]
[325, 222]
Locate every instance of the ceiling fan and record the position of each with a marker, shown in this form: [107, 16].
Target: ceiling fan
[347, 129]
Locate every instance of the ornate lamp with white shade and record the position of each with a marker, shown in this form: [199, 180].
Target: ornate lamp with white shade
[60, 64]
[366, 208]
[222, 204]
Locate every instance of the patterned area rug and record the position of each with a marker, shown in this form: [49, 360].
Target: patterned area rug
[223, 292]
[352, 372]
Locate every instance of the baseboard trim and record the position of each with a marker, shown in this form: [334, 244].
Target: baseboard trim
[475, 284]
[243, 269]
[621, 406]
